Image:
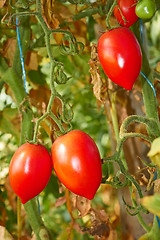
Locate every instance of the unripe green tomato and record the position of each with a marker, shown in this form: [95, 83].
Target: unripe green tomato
[145, 9]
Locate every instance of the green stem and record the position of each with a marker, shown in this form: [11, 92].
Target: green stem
[142, 222]
[114, 115]
[139, 216]
[123, 170]
[19, 218]
[110, 13]
[150, 123]
[34, 218]
[150, 101]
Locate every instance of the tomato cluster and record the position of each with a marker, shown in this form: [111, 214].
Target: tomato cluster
[118, 49]
[128, 11]
[74, 157]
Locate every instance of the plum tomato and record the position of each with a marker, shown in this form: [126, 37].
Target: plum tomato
[120, 56]
[126, 16]
[30, 170]
[77, 163]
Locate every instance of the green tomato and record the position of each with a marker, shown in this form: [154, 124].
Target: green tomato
[145, 9]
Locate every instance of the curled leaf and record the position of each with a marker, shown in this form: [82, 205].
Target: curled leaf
[98, 84]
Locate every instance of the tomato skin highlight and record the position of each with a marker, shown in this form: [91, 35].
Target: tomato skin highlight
[77, 163]
[127, 8]
[120, 56]
[145, 9]
[29, 170]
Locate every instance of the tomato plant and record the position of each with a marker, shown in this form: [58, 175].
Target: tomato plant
[30, 170]
[77, 163]
[126, 15]
[120, 56]
[145, 9]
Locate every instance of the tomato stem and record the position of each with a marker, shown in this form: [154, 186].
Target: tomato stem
[110, 13]
[19, 217]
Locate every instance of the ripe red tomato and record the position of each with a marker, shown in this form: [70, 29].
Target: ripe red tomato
[30, 170]
[120, 56]
[127, 8]
[77, 163]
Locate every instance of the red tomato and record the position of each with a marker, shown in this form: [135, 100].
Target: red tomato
[127, 8]
[30, 170]
[77, 163]
[120, 56]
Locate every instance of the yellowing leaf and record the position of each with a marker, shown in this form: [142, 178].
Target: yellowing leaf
[152, 203]
[154, 152]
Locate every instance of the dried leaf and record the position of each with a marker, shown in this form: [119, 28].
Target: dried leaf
[2, 2]
[99, 215]
[9, 50]
[157, 186]
[4, 234]
[151, 172]
[83, 205]
[60, 201]
[77, 227]
[99, 88]
[99, 224]
[48, 14]
[32, 61]
[113, 235]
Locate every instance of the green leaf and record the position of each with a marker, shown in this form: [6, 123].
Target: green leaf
[90, 28]
[152, 203]
[37, 77]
